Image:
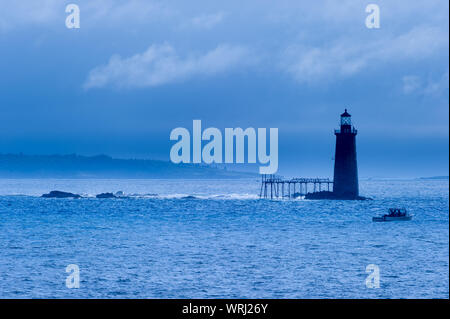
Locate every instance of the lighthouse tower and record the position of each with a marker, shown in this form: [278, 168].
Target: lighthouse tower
[345, 167]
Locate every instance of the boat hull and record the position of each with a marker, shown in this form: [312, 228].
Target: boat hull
[391, 219]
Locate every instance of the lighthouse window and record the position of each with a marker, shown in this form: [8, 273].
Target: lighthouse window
[346, 121]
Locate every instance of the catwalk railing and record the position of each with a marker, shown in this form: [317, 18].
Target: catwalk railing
[273, 186]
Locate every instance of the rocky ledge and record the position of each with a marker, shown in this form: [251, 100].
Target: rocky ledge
[59, 194]
[334, 196]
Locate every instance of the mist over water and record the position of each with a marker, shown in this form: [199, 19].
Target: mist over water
[222, 242]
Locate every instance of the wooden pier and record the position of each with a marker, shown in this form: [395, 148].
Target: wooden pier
[273, 186]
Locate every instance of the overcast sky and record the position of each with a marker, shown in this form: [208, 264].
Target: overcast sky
[137, 69]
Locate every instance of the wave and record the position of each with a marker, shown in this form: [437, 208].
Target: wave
[176, 196]
[203, 196]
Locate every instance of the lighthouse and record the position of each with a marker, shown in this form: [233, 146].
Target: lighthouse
[345, 166]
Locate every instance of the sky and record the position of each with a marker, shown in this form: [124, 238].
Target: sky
[135, 70]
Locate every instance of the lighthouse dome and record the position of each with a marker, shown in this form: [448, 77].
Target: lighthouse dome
[345, 114]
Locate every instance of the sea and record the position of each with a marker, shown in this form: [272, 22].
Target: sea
[218, 239]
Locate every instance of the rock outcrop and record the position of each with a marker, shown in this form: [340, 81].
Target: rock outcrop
[334, 196]
[59, 194]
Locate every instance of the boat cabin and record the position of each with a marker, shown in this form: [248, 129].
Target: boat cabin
[397, 212]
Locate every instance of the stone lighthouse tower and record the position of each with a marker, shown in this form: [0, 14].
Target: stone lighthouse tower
[345, 166]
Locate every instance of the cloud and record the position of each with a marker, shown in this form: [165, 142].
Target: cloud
[160, 64]
[207, 21]
[310, 41]
[345, 58]
[414, 85]
[439, 86]
[411, 83]
[19, 13]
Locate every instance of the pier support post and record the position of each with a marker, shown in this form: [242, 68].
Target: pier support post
[271, 190]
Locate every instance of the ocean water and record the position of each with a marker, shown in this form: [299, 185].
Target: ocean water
[224, 243]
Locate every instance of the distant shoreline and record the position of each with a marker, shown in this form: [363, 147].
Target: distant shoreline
[72, 166]
[105, 167]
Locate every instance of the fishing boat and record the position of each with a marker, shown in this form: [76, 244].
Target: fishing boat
[394, 215]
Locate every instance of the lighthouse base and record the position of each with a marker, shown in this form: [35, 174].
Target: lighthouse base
[333, 196]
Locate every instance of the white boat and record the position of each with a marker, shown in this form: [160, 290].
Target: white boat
[395, 214]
